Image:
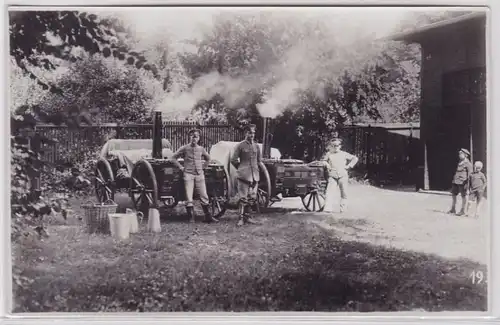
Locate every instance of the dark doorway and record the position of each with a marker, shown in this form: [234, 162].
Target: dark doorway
[460, 111]
[452, 134]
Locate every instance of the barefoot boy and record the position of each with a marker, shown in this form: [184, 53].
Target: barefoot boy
[460, 183]
[477, 185]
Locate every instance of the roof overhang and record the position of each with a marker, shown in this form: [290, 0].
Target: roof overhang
[416, 35]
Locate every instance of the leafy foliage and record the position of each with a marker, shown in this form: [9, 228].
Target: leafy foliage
[267, 65]
[42, 41]
[46, 38]
[28, 207]
[106, 89]
[22, 89]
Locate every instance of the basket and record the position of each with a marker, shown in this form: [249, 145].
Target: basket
[96, 216]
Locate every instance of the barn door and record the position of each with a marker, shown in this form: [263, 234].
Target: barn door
[454, 126]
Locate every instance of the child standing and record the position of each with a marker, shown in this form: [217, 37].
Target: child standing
[337, 163]
[477, 185]
[460, 183]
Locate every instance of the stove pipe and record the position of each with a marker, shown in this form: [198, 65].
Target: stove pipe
[157, 145]
[267, 137]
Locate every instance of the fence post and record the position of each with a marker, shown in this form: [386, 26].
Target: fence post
[34, 145]
[368, 151]
[119, 131]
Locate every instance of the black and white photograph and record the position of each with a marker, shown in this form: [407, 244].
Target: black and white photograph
[249, 159]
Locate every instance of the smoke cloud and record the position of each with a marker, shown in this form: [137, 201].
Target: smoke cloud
[337, 45]
[234, 91]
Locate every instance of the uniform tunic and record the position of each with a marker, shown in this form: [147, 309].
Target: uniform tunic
[194, 176]
[193, 158]
[248, 155]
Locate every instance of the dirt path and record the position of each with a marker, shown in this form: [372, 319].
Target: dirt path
[406, 220]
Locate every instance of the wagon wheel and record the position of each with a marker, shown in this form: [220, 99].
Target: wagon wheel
[264, 188]
[218, 205]
[314, 201]
[172, 205]
[143, 187]
[104, 181]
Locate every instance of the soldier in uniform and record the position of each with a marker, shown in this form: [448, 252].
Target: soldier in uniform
[246, 158]
[194, 176]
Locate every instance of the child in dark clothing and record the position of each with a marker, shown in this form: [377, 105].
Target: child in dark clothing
[460, 183]
[477, 185]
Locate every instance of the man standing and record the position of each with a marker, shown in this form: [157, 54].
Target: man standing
[246, 158]
[338, 162]
[194, 176]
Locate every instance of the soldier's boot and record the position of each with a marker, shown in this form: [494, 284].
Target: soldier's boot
[191, 215]
[248, 218]
[208, 217]
[241, 211]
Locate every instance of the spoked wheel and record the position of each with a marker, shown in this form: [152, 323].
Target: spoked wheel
[218, 203]
[104, 181]
[143, 187]
[264, 189]
[314, 201]
[172, 205]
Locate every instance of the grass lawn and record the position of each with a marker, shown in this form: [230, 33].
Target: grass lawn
[294, 261]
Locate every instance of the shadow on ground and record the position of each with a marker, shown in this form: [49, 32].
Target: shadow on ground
[287, 265]
[350, 276]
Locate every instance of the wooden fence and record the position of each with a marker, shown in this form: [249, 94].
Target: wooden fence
[388, 155]
[73, 144]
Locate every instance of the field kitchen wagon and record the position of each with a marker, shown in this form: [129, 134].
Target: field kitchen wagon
[279, 178]
[151, 179]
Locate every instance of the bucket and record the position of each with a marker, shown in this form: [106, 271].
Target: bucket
[134, 224]
[154, 220]
[119, 225]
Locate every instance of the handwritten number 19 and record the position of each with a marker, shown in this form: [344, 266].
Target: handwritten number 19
[477, 277]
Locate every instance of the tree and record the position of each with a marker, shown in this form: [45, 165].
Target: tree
[108, 90]
[262, 65]
[22, 89]
[48, 38]
[43, 41]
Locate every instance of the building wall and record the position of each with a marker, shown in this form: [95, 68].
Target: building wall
[453, 107]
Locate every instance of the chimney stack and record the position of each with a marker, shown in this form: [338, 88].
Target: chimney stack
[267, 137]
[157, 143]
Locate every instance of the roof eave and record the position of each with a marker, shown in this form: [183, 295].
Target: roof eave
[414, 36]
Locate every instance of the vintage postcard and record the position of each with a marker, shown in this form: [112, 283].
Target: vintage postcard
[232, 159]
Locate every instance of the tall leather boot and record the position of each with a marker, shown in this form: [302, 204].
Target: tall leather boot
[241, 212]
[247, 217]
[190, 212]
[208, 216]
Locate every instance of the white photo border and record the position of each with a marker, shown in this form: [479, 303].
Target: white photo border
[493, 116]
